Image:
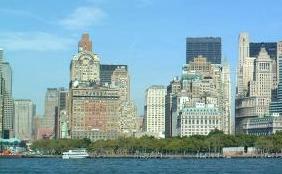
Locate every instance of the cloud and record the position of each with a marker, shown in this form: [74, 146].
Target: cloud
[34, 41]
[83, 17]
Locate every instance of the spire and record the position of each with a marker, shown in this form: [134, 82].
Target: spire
[85, 44]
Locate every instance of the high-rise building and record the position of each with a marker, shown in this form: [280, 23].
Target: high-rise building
[24, 117]
[95, 110]
[257, 100]
[209, 47]
[243, 55]
[204, 102]
[56, 100]
[271, 48]
[7, 105]
[257, 82]
[155, 110]
[173, 89]
[106, 72]
[128, 124]
[276, 104]
[120, 79]
[85, 65]
[51, 102]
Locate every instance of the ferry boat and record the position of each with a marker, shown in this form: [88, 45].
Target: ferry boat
[75, 154]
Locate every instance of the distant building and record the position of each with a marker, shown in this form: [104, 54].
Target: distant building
[200, 101]
[257, 99]
[209, 47]
[173, 89]
[263, 125]
[106, 72]
[96, 110]
[271, 48]
[7, 106]
[155, 110]
[120, 80]
[276, 104]
[128, 124]
[24, 117]
[199, 120]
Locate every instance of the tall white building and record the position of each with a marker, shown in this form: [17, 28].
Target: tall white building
[155, 110]
[23, 122]
[242, 55]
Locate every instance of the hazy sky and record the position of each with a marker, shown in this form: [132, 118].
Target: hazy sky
[40, 37]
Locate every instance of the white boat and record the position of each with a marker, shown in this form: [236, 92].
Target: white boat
[75, 154]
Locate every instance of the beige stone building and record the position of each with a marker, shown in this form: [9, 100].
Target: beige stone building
[154, 121]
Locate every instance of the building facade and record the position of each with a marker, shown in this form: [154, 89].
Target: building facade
[155, 110]
[99, 98]
[24, 117]
[209, 47]
[206, 84]
[199, 120]
[173, 89]
[7, 105]
[262, 126]
[256, 81]
[120, 80]
[106, 72]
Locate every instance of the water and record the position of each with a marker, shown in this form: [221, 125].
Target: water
[134, 166]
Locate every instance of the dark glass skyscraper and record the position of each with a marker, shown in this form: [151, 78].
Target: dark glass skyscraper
[209, 47]
[271, 48]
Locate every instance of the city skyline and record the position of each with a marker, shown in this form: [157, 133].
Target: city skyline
[143, 40]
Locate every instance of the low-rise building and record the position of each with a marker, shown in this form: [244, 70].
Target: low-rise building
[199, 120]
[263, 125]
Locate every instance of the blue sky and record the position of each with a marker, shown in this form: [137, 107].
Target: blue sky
[40, 37]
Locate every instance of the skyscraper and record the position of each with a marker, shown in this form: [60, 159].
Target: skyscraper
[85, 65]
[242, 55]
[155, 110]
[7, 105]
[276, 105]
[204, 103]
[24, 116]
[94, 109]
[173, 89]
[271, 48]
[209, 47]
[257, 100]
[256, 80]
[51, 102]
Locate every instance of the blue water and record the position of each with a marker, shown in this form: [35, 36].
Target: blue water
[132, 166]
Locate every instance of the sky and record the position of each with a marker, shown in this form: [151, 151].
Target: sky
[39, 38]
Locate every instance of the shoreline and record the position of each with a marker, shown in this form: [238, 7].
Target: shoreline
[153, 156]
